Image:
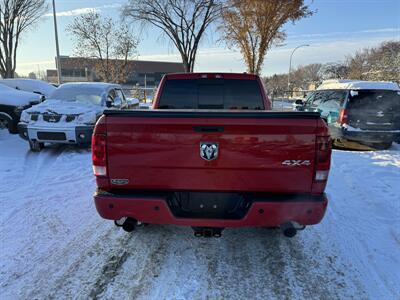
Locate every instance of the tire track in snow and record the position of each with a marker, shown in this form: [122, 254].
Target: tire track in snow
[110, 270]
[98, 264]
[34, 170]
[146, 255]
[86, 261]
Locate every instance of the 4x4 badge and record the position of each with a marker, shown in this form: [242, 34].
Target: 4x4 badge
[296, 162]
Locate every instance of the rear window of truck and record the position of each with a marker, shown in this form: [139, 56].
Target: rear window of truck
[211, 94]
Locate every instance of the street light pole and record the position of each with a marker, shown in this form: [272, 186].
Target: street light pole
[57, 47]
[290, 64]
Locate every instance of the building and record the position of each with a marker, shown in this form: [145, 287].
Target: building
[140, 72]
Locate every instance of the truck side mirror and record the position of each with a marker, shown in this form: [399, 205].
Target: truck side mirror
[109, 103]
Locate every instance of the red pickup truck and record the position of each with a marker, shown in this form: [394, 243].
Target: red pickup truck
[211, 155]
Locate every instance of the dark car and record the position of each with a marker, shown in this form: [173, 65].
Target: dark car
[358, 113]
[12, 103]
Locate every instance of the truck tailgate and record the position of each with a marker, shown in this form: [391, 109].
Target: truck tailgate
[257, 151]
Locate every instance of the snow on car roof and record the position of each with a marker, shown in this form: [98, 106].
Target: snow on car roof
[70, 91]
[29, 85]
[10, 96]
[346, 84]
[91, 85]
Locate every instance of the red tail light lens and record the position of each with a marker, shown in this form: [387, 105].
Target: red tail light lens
[99, 156]
[324, 149]
[323, 159]
[343, 116]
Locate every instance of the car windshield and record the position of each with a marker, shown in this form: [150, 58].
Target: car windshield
[92, 95]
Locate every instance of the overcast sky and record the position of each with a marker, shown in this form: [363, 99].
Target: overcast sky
[338, 28]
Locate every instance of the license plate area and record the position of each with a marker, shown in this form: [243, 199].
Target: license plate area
[205, 205]
[51, 136]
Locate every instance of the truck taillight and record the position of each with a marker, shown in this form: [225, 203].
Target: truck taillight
[342, 116]
[99, 157]
[323, 158]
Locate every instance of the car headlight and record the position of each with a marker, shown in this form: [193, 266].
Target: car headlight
[25, 117]
[88, 118]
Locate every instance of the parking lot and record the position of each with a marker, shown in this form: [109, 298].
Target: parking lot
[54, 244]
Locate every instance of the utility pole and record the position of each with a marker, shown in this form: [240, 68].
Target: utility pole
[145, 87]
[290, 65]
[57, 47]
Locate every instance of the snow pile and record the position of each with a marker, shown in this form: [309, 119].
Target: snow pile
[346, 84]
[354, 129]
[143, 105]
[9, 96]
[54, 245]
[29, 85]
[283, 104]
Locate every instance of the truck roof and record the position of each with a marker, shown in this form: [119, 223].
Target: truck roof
[242, 76]
[346, 84]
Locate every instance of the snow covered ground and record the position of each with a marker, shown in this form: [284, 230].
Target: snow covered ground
[54, 245]
[282, 104]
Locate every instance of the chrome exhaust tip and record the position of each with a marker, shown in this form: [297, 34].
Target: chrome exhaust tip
[288, 229]
[129, 225]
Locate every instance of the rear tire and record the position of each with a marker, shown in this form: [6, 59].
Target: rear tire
[5, 123]
[35, 146]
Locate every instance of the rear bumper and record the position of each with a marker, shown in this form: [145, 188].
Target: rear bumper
[73, 135]
[305, 210]
[364, 136]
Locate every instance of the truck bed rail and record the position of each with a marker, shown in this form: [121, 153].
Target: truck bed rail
[189, 113]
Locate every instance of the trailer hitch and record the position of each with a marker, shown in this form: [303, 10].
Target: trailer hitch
[207, 232]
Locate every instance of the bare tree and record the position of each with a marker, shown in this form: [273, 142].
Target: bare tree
[276, 85]
[378, 63]
[303, 76]
[358, 65]
[109, 43]
[32, 75]
[16, 17]
[335, 71]
[183, 21]
[255, 25]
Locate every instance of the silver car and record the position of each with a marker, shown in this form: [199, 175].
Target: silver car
[68, 116]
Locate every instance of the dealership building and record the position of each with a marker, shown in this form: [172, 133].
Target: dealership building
[140, 72]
